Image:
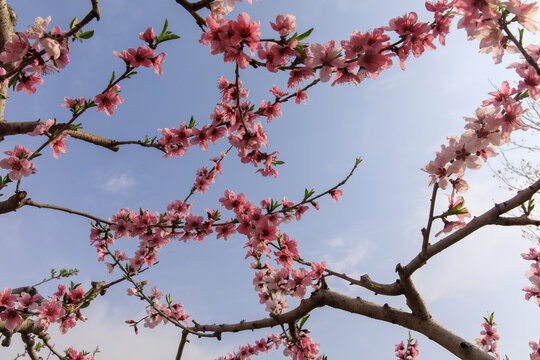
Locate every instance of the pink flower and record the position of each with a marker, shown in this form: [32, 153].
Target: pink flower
[301, 96]
[109, 101]
[148, 35]
[18, 163]
[15, 49]
[73, 103]
[285, 24]
[157, 61]
[42, 128]
[50, 311]
[335, 194]
[536, 350]
[327, 56]
[75, 295]
[28, 83]
[58, 145]
[12, 318]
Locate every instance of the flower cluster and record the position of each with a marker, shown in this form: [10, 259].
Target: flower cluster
[533, 274]
[302, 348]
[63, 308]
[409, 351]
[488, 339]
[35, 62]
[18, 163]
[233, 118]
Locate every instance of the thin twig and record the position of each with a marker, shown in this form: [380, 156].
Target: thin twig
[64, 209]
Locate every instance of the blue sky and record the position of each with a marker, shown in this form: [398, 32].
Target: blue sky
[394, 123]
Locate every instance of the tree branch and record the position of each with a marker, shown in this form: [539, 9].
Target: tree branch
[70, 211]
[515, 221]
[436, 332]
[8, 20]
[192, 8]
[414, 300]
[29, 342]
[183, 341]
[487, 218]
[13, 203]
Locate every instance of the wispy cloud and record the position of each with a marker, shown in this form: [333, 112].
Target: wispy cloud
[117, 183]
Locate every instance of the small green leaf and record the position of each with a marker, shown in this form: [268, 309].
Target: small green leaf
[165, 26]
[86, 34]
[113, 76]
[167, 37]
[191, 123]
[304, 35]
[73, 22]
[303, 321]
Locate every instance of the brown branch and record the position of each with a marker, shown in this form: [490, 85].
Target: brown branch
[436, 332]
[192, 9]
[13, 203]
[414, 300]
[29, 342]
[515, 221]
[94, 13]
[67, 210]
[53, 350]
[487, 218]
[365, 281]
[517, 43]
[183, 341]
[8, 20]
[426, 231]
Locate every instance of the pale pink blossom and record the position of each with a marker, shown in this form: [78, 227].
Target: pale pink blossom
[109, 101]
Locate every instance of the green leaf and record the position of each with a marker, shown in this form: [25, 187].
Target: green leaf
[303, 321]
[191, 123]
[304, 35]
[73, 22]
[165, 26]
[3, 97]
[308, 193]
[86, 34]
[358, 161]
[113, 76]
[167, 37]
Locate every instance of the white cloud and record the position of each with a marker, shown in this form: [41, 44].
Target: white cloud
[117, 183]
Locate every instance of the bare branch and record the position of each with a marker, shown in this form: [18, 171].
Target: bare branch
[515, 221]
[183, 341]
[444, 337]
[192, 9]
[13, 203]
[414, 300]
[426, 231]
[8, 20]
[70, 211]
[489, 217]
[29, 341]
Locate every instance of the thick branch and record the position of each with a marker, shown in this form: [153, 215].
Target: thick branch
[515, 221]
[192, 9]
[29, 342]
[414, 300]
[8, 20]
[14, 202]
[436, 332]
[183, 341]
[489, 217]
